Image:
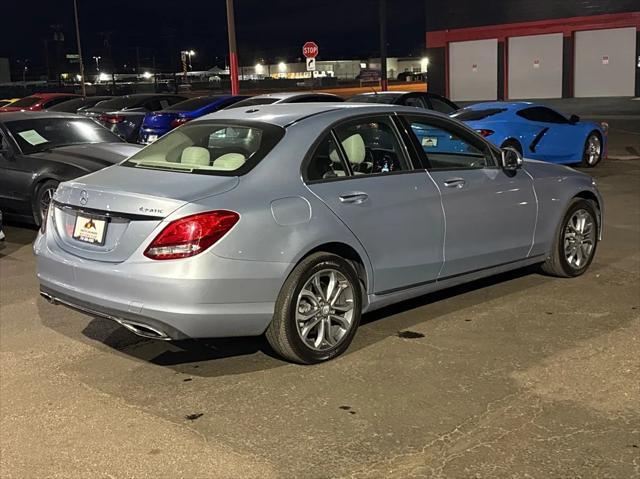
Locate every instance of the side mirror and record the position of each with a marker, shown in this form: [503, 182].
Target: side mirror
[511, 159]
[573, 119]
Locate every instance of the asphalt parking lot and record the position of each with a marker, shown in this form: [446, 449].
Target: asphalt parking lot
[519, 375]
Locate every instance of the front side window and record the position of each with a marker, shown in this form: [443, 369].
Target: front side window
[542, 115]
[415, 101]
[470, 114]
[371, 146]
[39, 134]
[210, 148]
[447, 149]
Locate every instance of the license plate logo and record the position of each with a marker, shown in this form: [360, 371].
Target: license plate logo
[90, 230]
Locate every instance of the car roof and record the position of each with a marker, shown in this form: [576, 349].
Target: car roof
[286, 95]
[47, 96]
[509, 105]
[285, 114]
[10, 116]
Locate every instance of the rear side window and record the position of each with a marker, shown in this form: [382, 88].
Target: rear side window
[326, 161]
[415, 101]
[212, 148]
[468, 114]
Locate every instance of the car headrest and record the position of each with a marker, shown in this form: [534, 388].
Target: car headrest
[195, 155]
[355, 149]
[229, 162]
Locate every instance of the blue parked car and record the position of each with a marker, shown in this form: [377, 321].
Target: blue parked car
[538, 132]
[158, 123]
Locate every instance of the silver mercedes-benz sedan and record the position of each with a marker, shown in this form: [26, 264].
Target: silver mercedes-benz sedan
[293, 220]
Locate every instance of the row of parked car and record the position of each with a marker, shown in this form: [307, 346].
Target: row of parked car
[72, 135]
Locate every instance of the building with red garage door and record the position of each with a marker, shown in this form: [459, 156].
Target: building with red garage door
[525, 49]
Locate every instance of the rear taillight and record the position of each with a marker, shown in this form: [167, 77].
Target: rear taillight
[191, 235]
[111, 119]
[485, 133]
[179, 121]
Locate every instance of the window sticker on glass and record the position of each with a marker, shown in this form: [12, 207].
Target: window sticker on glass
[429, 142]
[33, 137]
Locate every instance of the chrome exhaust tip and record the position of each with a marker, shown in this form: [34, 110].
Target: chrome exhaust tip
[144, 330]
[48, 297]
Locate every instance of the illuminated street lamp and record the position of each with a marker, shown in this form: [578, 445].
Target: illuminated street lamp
[259, 69]
[424, 64]
[282, 67]
[97, 59]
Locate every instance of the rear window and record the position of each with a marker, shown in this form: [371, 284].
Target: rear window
[468, 114]
[210, 148]
[253, 102]
[27, 102]
[379, 98]
[192, 104]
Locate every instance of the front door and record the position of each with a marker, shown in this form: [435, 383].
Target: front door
[362, 172]
[490, 213]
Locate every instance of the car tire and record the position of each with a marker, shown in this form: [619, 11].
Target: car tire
[42, 198]
[326, 337]
[569, 257]
[515, 144]
[592, 153]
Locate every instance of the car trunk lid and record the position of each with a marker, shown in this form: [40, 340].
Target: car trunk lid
[132, 202]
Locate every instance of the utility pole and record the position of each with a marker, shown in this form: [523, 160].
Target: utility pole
[384, 83]
[75, 8]
[233, 49]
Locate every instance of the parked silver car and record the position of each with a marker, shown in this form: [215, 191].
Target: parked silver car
[293, 220]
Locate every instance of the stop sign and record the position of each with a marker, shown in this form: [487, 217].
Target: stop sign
[310, 50]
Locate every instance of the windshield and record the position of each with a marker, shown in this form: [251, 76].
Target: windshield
[26, 102]
[468, 114]
[39, 134]
[213, 148]
[121, 102]
[192, 104]
[253, 102]
[378, 98]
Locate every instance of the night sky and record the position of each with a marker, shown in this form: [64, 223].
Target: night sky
[272, 30]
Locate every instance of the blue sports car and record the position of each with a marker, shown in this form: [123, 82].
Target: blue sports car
[538, 132]
[158, 123]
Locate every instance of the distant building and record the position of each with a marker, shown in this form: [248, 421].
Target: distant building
[515, 49]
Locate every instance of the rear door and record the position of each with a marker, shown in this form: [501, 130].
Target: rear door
[15, 177]
[490, 213]
[363, 173]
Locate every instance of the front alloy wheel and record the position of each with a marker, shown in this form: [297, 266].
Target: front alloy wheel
[592, 151]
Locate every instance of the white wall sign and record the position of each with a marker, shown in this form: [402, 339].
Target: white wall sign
[311, 64]
[536, 63]
[605, 60]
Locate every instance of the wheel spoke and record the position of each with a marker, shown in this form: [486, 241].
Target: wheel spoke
[343, 308]
[328, 333]
[320, 335]
[343, 322]
[307, 316]
[318, 287]
[304, 333]
[331, 285]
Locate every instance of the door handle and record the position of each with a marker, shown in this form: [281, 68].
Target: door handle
[355, 197]
[455, 183]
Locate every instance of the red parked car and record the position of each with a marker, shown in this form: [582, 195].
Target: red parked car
[38, 101]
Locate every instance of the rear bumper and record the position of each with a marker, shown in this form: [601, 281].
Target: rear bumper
[165, 299]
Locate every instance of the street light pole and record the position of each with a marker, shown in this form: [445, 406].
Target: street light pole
[233, 49]
[75, 9]
[384, 83]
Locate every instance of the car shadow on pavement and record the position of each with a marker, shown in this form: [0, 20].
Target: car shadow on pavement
[228, 356]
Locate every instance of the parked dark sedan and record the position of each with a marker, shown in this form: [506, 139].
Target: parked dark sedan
[123, 115]
[72, 106]
[39, 150]
[424, 100]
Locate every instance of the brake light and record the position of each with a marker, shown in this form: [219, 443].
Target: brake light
[485, 133]
[191, 235]
[111, 119]
[179, 121]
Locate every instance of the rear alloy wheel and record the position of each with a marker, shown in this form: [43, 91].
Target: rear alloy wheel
[318, 310]
[592, 151]
[42, 199]
[576, 241]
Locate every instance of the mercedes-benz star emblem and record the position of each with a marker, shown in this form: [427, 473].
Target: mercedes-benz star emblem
[84, 197]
